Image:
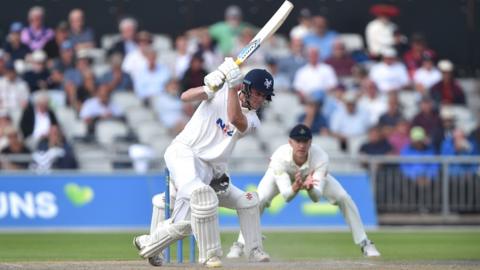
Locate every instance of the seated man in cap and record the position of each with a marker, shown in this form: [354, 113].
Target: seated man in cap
[300, 165]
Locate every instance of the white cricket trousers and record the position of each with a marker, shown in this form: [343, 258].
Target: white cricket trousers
[332, 191]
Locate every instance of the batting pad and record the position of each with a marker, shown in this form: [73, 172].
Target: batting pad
[249, 217]
[204, 218]
[164, 236]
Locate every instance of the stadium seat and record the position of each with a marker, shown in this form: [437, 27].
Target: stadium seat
[106, 131]
[160, 144]
[287, 107]
[108, 40]
[329, 144]
[67, 118]
[137, 116]
[354, 144]
[150, 131]
[16, 116]
[353, 42]
[161, 43]
[57, 98]
[125, 99]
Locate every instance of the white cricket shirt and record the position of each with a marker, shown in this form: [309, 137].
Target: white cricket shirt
[284, 167]
[210, 134]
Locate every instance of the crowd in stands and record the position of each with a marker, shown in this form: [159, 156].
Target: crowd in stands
[345, 93]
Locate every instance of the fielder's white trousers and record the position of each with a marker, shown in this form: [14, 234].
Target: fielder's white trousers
[331, 190]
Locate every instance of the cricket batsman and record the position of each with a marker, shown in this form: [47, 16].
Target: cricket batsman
[199, 154]
[301, 165]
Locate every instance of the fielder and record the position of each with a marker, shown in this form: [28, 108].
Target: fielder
[199, 154]
[301, 165]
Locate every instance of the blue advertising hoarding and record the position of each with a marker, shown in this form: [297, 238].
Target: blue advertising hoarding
[123, 201]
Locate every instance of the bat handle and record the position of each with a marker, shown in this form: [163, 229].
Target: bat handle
[238, 61]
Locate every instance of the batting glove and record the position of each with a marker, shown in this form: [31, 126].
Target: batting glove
[232, 72]
[214, 80]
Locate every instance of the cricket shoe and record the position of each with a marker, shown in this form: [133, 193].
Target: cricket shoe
[236, 251]
[258, 255]
[139, 243]
[213, 262]
[369, 249]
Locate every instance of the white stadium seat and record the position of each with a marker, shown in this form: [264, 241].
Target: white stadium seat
[125, 99]
[353, 42]
[106, 131]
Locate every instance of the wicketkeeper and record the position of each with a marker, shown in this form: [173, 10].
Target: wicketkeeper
[303, 165]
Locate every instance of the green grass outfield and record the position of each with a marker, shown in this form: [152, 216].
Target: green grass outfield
[394, 245]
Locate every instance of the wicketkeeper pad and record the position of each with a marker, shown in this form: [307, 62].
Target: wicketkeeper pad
[204, 219]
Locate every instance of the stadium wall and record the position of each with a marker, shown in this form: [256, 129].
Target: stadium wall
[114, 201]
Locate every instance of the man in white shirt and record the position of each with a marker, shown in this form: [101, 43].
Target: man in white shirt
[315, 76]
[426, 76]
[136, 59]
[99, 106]
[151, 79]
[199, 154]
[379, 33]
[372, 102]
[300, 165]
[390, 74]
[14, 91]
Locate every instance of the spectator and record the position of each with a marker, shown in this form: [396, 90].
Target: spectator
[474, 137]
[447, 91]
[37, 118]
[82, 37]
[282, 82]
[14, 91]
[37, 77]
[17, 147]
[414, 57]
[422, 173]
[349, 121]
[372, 102]
[389, 75]
[170, 108]
[152, 79]
[136, 59]
[427, 75]
[99, 107]
[195, 73]
[226, 32]
[115, 78]
[392, 116]
[14, 46]
[445, 130]
[3, 63]
[182, 57]
[399, 138]
[80, 82]
[5, 122]
[304, 26]
[380, 32]
[377, 144]
[66, 59]
[340, 60]
[54, 152]
[427, 118]
[211, 55]
[127, 44]
[52, 48]
[359, 74]
[36, 35]
[459, 145]
[313, 117]
[295, 59]
[314, 77]
[322, 38]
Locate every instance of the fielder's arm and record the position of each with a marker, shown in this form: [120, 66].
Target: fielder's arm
[318, 179]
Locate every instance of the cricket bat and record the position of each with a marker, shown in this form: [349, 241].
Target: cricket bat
[267, 31]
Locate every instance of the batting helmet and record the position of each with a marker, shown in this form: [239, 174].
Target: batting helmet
[260, 80]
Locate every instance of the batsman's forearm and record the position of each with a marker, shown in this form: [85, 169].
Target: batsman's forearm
[234, 111]
[194, 94]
